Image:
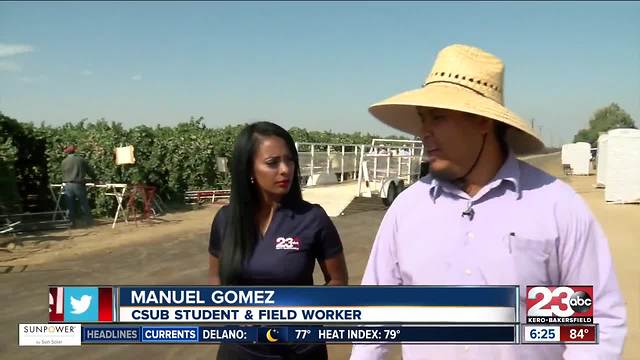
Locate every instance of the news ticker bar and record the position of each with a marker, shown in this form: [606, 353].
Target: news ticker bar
[553, 334]
[77, 334]
[494, 334]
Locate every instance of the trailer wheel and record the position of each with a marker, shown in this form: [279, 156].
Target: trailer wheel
[400, 186]
[392, 193]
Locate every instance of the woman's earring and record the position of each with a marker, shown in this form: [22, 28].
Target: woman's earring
[252, 180]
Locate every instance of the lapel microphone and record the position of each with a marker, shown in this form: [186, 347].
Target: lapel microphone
[469, 212]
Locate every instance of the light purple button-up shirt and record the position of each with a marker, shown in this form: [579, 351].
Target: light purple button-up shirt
[425, 240]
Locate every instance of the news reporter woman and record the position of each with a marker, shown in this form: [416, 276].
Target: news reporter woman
[268, 235]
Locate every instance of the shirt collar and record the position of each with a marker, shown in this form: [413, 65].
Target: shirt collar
[288, 209]
[509, 172]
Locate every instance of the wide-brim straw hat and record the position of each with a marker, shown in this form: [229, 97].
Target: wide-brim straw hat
[463, 78]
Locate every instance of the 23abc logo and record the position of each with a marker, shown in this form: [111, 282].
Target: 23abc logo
[563, 301]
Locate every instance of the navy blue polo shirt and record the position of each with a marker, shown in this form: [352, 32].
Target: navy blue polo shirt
[286, 254]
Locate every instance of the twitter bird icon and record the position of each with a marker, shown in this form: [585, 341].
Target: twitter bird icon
[81, 304]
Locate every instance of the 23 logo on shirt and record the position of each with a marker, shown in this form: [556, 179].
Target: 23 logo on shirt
[289, 243]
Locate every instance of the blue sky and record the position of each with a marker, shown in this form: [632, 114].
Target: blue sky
[315, 65]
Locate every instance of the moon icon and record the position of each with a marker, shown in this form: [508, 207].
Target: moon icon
[270, 337]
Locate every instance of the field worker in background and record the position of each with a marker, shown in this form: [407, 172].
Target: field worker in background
[75, 170]
[483, 217]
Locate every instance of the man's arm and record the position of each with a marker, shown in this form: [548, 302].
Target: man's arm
[585, 259]
[214, 270]
[382, 269]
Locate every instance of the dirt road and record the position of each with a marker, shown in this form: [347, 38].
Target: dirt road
[174, 252]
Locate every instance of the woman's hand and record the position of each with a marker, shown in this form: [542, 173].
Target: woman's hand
[335, 270]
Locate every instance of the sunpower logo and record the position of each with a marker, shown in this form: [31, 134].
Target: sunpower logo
[49, 335]
[80, 304]
[46, 329]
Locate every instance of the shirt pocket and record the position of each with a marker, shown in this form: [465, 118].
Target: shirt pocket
[529, 258]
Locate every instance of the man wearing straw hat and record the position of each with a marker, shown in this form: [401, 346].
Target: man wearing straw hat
[482, 217]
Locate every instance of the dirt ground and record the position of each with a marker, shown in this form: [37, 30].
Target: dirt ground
[172, 250]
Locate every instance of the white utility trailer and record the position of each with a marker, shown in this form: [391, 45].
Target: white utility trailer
[389, 166]
[327, 163]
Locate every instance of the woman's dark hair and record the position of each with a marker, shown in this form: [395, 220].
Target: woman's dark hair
[241, 231]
